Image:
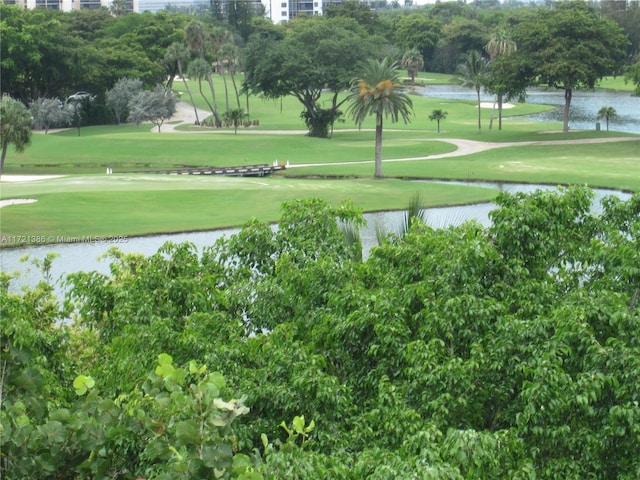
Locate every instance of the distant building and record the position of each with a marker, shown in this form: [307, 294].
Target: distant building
[276, 10]
[281, 10]
[69, 5]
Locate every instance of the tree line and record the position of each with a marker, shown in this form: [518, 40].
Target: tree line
[466, 352]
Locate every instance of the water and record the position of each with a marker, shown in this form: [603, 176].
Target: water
[89, 257]
[585, 105]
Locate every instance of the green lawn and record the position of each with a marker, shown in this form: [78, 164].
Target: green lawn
[88, 202]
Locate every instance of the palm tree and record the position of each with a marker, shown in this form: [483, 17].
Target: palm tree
[197, 39]
[15, 126]
[234, 117]
[228, 55]
[200, 70]
[413, 62]
[471, 72]
[499, 45]
[176, 54]
[438, 115]
[608, 113]
[379, 92]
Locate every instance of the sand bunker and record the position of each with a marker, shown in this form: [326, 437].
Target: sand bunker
[16, 201]
[27, 178]
[490, 105]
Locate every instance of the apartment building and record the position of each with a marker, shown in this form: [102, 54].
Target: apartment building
[276, 10]
[69, 5]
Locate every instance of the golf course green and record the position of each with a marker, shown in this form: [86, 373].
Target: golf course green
[65, 171]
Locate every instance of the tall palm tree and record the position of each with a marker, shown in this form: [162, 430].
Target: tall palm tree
[471, 72]
[499, 45]
[176, 54]
[228, 54]
[200, 70]
[608, 113]
[379, 92]
[197, 39]
[219, 37]
[413, 62]
[15, 126]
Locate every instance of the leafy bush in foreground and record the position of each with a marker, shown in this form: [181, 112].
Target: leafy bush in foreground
[468, 352]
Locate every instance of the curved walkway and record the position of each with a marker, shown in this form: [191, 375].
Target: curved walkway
[185, 115]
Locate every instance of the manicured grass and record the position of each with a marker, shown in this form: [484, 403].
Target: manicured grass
[138, 204]
[88, 202]
[610, 165]
[616, 83]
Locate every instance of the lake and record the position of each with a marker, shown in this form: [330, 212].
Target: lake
[585, 105]
[86, 256]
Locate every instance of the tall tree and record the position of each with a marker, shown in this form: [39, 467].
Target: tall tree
[472, 72]
[200, 70]
[118, 97]
[500, 45]
[197, 38]
[413, 62]
[570, 47]
[379, 91]
[228, 54]
[178, 54]
[314, 56]
[153, 106]
[15, 126]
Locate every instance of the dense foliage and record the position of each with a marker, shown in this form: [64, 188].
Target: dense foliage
[468, 352]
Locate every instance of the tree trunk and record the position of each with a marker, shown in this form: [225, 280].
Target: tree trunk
[499, 111]
[205, 98]
[479, 119]
[214, 110]
[186, 86]
[235, 88]
[378, 169]
[5, 146]
[567, 104]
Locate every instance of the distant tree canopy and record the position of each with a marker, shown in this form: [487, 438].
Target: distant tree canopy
[309, 56]
[465, 352]
[570, 47]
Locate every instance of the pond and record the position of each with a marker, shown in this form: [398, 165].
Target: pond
[585, 105]
[87, 256]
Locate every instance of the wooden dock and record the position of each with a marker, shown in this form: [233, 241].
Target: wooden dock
[243, 171]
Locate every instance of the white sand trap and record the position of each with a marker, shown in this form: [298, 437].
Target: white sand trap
[16, 201]
[505, 106]
[27, 178]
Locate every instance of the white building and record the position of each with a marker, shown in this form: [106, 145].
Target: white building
[68, 5]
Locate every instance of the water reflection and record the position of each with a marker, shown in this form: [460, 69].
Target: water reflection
[585, 105]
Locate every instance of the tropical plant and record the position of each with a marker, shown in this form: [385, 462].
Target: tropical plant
[471, 72]
[234, 117]
[177, 54]
[413, 62]
[15, 126]
[200, 70]
[378, 91]
[438, 114]
[197, 39]
[608, 113]
[500, 45]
